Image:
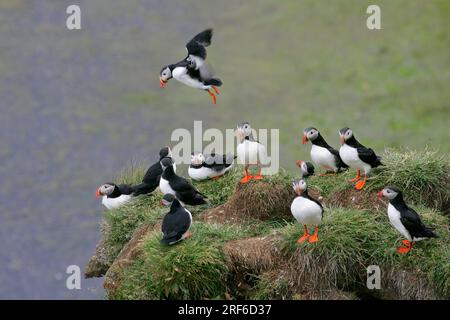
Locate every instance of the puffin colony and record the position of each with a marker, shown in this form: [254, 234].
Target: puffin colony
[178, 192]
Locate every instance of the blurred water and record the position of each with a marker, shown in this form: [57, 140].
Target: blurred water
[60, 136]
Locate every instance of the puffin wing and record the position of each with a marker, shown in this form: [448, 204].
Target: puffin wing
[153, 174]
[184, 189]
[196, 46]
[126, 189]
[368, 156]
[197, 55]
[412, 222]
[337, 157]
[174, 225]
[218, 162]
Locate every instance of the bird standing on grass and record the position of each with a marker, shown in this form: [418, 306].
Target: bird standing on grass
[322, 154]
[176, 223]
[181, 188]
[357, 156]
[210, 166]
[404, 219]
[307, 211]
[249, 151]
[193, 70]
[113, 196]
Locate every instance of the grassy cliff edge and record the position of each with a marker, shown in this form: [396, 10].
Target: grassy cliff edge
[244, 244]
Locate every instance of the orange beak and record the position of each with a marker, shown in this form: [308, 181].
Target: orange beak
[380, 194]
[97, 193]
[298, 191]
[299, 163]
[162, 83]
[304, 138]
[342, 139]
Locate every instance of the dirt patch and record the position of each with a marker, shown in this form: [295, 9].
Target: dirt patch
[220, 215]
[354, 199]
[253, 254]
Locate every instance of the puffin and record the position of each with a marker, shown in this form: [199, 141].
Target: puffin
[322, 154]
[114, 196]
[357, 156]
[210, 166]
[193, 70]
[404, 219]
[306, 168]
[151, 178]
[176, 223]
[249, 151]
[307, 211]
[178, 186]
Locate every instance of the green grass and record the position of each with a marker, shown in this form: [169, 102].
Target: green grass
[424, 176]
[351, 240]
[193, 269]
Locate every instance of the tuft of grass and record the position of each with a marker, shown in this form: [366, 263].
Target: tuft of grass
[351, 240]
[424, 176]
[131, 174]
[192, 269]
[123, 221]
[219, 191]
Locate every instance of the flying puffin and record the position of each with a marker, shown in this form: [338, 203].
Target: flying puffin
[307, 211]
[322, 154]
[151, 178]
[209, 166]
[176, 223]
[249, 151]
[405, 219]
[356, 156]
[179, 186]
[193, 70]
[306, 168]
[114, 196]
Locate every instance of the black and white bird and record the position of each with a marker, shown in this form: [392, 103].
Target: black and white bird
[210, 166]
[306, 168]
[181, 188]
[193, 70]
[357, 156]
[250, 152]
[322, 154]
[176, 223]
[153, 175]
[113, 196]
[307, 211]
[405, 219]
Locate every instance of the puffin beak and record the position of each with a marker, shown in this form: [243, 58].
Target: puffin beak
[342, 139]
[380, 194]
[299, 163]
[298, 191]
[97, 193]
[162, 83]
[304, 138]
[162, 203]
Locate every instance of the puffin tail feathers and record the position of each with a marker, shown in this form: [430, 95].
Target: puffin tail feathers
[213, 82]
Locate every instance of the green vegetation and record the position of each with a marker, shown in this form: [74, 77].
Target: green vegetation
[335, 267]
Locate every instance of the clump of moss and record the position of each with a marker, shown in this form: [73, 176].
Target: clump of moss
[123, 221]
[351, 240]
[192, 269]
[424, 176]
